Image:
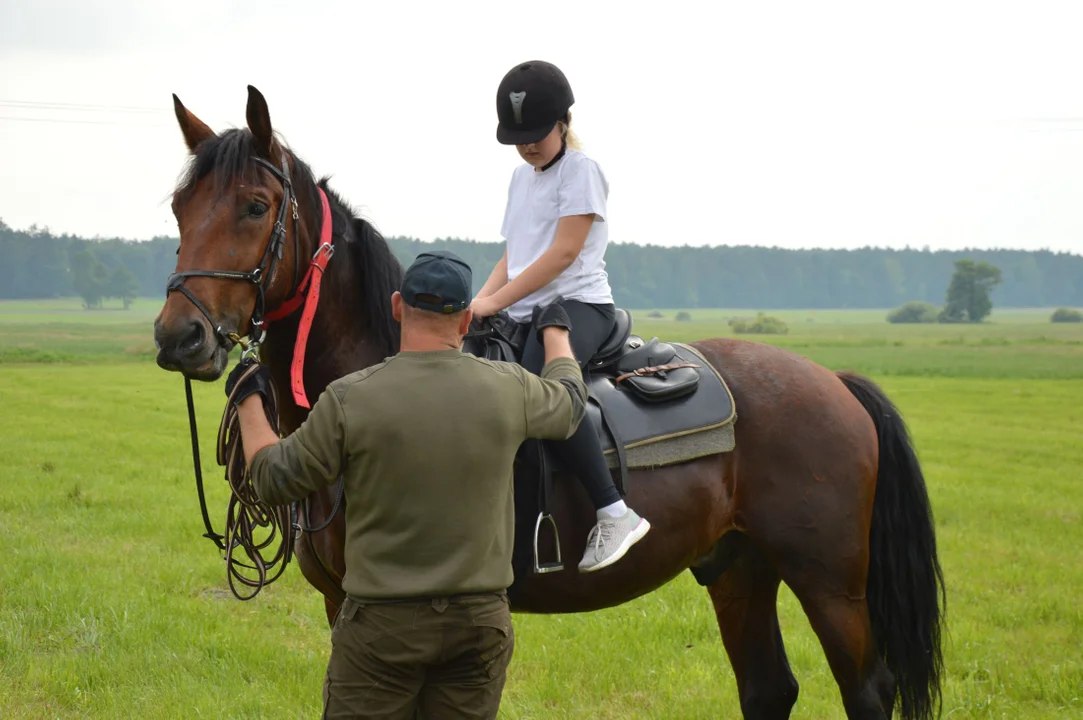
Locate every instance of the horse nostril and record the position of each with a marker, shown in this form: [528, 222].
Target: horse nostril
[193, 339]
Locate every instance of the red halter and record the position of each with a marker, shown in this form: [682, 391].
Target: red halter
[309, 300]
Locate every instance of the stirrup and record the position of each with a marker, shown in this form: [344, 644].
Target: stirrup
[539, 567]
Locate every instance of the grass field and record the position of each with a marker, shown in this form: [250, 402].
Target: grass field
[111, 605]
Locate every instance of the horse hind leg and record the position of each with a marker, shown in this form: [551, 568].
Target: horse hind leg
[827, 573]
[842, 625]
[745, 598]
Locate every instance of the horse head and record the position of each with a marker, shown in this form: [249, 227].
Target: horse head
[241, 240]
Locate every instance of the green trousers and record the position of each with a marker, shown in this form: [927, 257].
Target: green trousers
[442, 658]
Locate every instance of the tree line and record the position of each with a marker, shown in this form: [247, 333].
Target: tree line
[35, 263]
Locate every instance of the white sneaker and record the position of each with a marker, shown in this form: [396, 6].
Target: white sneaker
[610, 540]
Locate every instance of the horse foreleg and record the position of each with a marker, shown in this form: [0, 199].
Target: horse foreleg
[331, 608]
[744, 599]
[310, 558]
[321, 554]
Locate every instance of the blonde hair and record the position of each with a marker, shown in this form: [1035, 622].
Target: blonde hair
[568, 134]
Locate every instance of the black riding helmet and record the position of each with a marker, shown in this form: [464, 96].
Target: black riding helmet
[532, 98]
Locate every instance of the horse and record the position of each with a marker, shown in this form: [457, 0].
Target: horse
[823, 490]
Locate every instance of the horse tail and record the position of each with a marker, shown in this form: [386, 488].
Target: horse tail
[905, 588]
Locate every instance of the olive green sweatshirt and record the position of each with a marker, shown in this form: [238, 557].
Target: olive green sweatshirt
[425, 443]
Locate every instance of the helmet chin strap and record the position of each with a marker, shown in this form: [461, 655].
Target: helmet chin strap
[557, 157]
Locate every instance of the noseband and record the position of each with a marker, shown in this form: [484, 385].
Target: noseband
[260, 277]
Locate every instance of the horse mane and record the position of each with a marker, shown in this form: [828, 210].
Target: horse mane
[228, 157]
[378, 270]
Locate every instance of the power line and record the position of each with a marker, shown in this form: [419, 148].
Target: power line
[79, 107]
[73, 113]
[69, 121]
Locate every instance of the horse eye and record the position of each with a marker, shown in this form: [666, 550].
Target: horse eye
[178, 250]
[257, 209]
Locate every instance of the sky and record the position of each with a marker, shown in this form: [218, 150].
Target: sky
[828, 124]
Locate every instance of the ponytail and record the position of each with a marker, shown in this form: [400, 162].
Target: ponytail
[567, 134]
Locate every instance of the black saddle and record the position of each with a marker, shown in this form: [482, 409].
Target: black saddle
[500, 338]
[652, 370]
[640, 392]
[614, 346]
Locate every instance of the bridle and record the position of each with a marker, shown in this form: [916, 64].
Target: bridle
[260, 277]
[245, 510]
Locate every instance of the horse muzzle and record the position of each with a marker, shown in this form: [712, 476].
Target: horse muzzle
[191, 347]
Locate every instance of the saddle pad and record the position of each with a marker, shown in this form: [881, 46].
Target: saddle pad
[675, 431]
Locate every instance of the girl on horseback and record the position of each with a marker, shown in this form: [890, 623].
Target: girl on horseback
[556, 232]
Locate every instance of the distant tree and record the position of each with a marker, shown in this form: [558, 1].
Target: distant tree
[100, 273]
[1067, 315]
[684, 316]
[655, 314]
[968, 293]
[124, 285]
[90, 278]
[762, 325]
[914, 311]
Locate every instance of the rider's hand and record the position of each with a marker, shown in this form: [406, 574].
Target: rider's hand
[258, 381]
[552, 315]
[484, 307]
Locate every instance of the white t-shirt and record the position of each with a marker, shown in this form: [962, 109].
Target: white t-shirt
[575, 185]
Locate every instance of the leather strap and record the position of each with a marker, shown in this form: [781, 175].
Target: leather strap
[302, 516]
[557, 157]
[311, 299]
[218, 331]
[639, 372]
[545, 478]
[210, 534]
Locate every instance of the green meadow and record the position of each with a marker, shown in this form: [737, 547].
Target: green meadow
[113, 606]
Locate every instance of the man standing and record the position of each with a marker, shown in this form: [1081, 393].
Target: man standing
[425, 443]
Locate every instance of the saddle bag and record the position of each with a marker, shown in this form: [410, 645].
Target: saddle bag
[655, 374]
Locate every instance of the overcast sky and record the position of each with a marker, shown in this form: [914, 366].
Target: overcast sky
[799, 124]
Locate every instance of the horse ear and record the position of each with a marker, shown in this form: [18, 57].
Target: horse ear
[259, 122]
[194, 130]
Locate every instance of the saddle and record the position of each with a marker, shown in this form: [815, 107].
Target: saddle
[652, 403]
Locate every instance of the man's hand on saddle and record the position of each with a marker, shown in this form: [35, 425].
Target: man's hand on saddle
[247, 379]
[552, 316]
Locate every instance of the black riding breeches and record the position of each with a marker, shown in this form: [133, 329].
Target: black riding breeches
[591, 325]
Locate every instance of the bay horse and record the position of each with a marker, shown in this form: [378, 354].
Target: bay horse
[823, 491]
